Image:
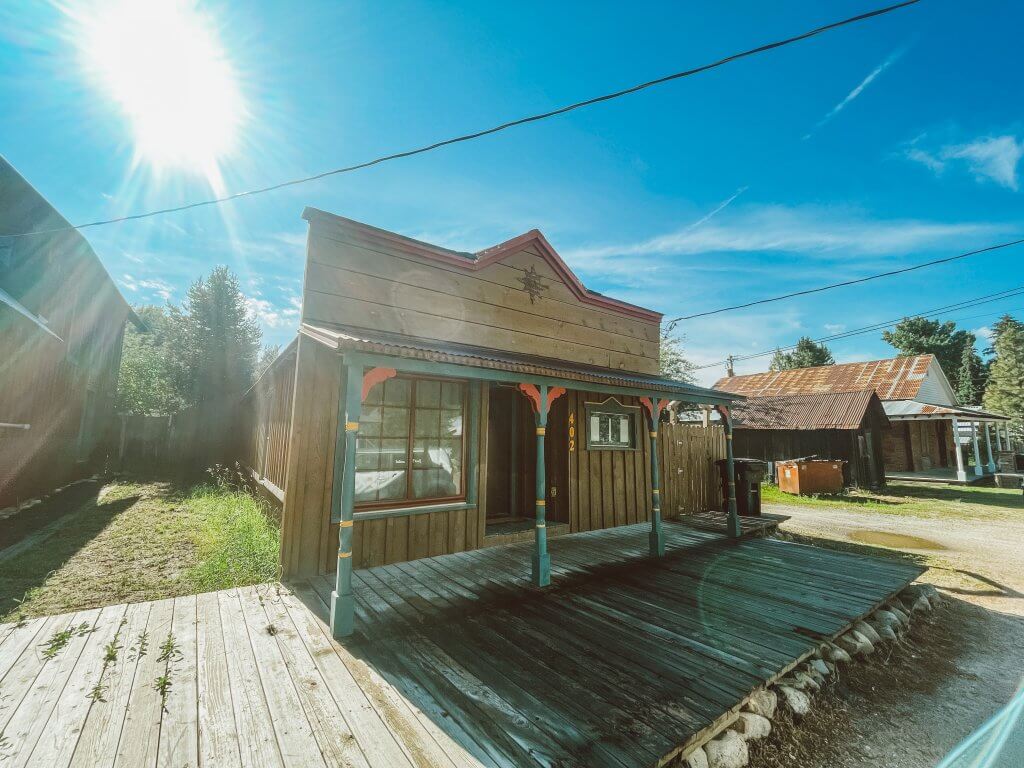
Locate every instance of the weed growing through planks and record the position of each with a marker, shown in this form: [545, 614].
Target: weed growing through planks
[56, 643]
[163, 687]
[169, 650]
[98, 691]
[140, 647]
[4, 744]
[110, 651]
[271, 629]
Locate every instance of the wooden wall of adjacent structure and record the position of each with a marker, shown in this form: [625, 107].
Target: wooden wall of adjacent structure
[848, 446]
[690, 479]
[58, 372]
[912, 446]
[360, 277]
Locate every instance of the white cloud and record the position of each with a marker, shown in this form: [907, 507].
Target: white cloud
[984, 332]
[161, 288]
[273, 315]
[835, 327]
[993, 157]
[129, 282]
[856, 91]
[803, 230]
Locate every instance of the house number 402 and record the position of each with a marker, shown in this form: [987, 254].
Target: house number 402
[572, 432]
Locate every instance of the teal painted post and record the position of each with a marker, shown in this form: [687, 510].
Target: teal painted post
[733, 521]
[657, 536]
[541, 559]
[343, 493]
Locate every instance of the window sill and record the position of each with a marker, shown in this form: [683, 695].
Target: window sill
[378, 514]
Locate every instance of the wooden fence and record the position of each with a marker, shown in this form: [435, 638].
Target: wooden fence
[185, 443]
[264, 423]
[689, 477]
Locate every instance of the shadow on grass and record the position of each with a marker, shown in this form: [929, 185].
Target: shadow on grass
[989, 496]
[30, 569]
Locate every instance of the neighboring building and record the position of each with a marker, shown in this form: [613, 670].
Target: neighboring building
[843, 426]
[61, 325]
[440, 396]
[919, 403]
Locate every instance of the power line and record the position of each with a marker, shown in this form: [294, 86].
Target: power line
[844, 283]
[496, 129]
[965, 304]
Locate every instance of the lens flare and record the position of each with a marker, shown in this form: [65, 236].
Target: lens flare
[163, 66]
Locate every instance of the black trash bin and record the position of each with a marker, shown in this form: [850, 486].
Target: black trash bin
[749, 474]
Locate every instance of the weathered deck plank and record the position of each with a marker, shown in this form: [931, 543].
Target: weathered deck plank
[457, 661]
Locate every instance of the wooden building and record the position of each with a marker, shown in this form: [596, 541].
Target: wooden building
[925, 421]
[841, 426]
[61, 324]
[439, 394]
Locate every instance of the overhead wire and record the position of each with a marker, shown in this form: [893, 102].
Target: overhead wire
[487, 131]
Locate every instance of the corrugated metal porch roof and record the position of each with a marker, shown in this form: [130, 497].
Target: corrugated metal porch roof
[380, 342]
[903, 410]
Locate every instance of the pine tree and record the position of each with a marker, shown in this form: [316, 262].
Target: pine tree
[1005, 391]
[216, 340]
[806, 354]
[970, 377]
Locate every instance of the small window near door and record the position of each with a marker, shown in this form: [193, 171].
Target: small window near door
[611, 426]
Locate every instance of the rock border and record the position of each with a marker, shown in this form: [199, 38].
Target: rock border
[793, 692]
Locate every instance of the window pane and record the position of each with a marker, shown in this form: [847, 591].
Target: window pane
[396, 422]
[394, 454]
[451, 423]
[367, 453]
[397, 391]
[374, 395]
[428, 393]
[392, 485]
[428, 423]
[451, 394]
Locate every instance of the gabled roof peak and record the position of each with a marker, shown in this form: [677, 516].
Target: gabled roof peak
[480, 259]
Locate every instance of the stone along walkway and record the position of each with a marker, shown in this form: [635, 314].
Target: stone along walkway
[456, 662]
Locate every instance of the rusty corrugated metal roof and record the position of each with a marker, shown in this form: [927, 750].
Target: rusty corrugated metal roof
[911, 409]
[899, 378]
[822, 410]
[381, 342]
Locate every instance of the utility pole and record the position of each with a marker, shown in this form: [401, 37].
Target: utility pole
[728, 366]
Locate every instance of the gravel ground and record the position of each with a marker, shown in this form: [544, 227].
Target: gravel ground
[962, 664]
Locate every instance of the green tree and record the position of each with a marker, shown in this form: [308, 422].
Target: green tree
[673, 363]
[145, 383]
[216, 341]
[806, 354]
[970, 377]
[1005, 391]
[920, 336]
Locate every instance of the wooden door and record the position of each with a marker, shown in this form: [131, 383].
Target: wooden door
[504, 454]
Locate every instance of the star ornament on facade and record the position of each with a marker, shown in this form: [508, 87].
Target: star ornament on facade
[532, 283]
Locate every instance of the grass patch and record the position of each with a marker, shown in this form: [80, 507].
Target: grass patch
[924, 500]
[143, 541]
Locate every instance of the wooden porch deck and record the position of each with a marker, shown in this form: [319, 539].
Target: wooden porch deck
[457, 661]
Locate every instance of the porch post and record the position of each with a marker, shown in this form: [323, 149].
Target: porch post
[733, 522]
[343, 497]
[979, 470]
[541, 558]
[961, 473]
[657, 535]
[999, 437]
[988, 449]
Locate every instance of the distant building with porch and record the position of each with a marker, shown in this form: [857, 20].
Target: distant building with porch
[928, 432]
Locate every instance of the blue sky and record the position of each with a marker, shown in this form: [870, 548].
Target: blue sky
[880, 145]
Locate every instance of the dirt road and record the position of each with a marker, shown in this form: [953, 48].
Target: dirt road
[962, 666]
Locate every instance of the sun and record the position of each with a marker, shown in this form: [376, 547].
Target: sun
[162, 65]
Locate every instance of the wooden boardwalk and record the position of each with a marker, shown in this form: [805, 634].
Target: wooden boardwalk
[457, 661]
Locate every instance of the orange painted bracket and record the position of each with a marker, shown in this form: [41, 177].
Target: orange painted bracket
[654, 409]
[531, 391]
[553, 394]
[375, 376]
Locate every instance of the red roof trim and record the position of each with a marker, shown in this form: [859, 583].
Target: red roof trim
[471, 262]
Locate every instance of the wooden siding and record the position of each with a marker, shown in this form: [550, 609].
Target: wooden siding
[359, 281]
[266, 412]
[63, 387]
[606, 488]
[912, 446]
